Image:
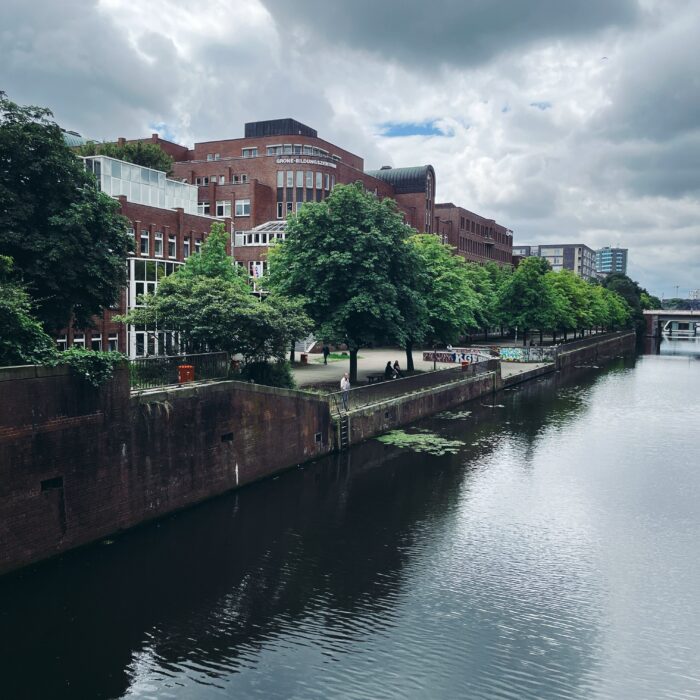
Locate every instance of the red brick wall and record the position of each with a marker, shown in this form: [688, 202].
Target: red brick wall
[77, 463]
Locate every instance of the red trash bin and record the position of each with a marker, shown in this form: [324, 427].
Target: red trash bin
[185, 373]
[304, 358]
[465, 365]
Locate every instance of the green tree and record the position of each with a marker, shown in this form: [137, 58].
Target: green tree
[67, 239]
[22, 338]
[632, 294]
[450, 302]
[526, 301]
[348, 261]
[139, 153]
[210, 304]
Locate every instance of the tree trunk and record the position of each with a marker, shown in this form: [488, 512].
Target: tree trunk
[565, 334]
[486, 333]
[353, 366]
[291, 354]
[524, 337]
[409, 356]
[540, 336]
[554, 337]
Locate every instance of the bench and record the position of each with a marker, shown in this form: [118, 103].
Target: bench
[372, 378]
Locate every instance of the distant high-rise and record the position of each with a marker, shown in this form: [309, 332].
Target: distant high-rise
[608, 260]
[577, 257]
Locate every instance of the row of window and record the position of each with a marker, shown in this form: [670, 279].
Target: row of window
[159, 243]
[223, 208]
[481, 229]
[467, 245]
[79, 341]
[258, 237]
[280, 150]
[236, 179]
[301, 178]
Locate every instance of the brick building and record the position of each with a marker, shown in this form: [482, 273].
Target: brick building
[166, 229]
[476, 238]
[259, 179]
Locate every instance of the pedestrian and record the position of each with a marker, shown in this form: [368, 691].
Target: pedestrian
[326, 352]
[388, 371]
[345, 388]
[397, 370]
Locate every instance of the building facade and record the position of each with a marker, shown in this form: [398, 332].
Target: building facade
[609, 260]
[165, 228]
[577, 257]
[476, 238]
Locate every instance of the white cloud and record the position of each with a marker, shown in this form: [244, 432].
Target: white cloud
[613, 158]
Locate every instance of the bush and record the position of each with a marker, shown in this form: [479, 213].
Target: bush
[269, 374]
[94, 366]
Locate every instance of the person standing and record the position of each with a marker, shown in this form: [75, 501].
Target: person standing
[326, 352]
[345, 388]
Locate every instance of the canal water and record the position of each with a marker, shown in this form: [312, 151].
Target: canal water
[549, 548]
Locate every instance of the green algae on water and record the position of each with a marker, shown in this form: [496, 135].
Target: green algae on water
[423, 441]
[454, 415]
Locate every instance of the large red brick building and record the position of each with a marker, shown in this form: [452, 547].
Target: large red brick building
[476, 238]
[166, 229]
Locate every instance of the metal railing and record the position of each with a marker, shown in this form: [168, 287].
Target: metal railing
[391, 388]
[151, 372]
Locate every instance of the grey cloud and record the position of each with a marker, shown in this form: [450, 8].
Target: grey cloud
[454, 32]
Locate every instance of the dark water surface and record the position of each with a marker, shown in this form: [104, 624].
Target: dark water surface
[557, 555]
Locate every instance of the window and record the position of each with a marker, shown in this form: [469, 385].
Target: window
[217, 156]
[297, 149]
[288, 149]
[280, 178]
[250, 152]
[186, 248]
[257, 268]
[328, 181]
[79, 340]
[210, 156]
[274, 150]
[300, 178]
[307, 150]
[113, 343]
[172, 248]
[319, 181]
[309, 179]
[222, 180]
[203, 209]
[242, 207]
[223, 208]
[61, 343]
[280, 210]
[158, 244]
[197, 246]
[96, 342]
[298, 205]
[144, 242]
[290, 178]
[290, 207]
[130, 232]
[244, 178]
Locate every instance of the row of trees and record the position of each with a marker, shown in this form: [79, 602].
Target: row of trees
[366, 278]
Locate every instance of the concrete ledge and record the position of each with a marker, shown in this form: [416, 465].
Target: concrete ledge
[528, 375]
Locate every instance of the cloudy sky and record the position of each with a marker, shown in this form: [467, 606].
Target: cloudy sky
[565, 120]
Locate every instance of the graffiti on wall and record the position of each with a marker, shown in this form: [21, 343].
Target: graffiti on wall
[506, 354]
[458, 355]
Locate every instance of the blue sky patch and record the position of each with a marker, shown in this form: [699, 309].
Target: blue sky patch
[412, 129]
[163, 130]
[541, 105]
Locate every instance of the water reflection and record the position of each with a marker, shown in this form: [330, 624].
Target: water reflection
[501, 571]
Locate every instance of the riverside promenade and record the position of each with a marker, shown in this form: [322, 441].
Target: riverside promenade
[373, 361]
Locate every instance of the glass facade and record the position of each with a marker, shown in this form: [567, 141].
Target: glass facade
[141, 185]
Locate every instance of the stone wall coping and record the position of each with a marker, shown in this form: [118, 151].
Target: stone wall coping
[17, 372]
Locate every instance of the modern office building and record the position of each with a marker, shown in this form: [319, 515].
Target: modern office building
[166, 229]
[577, 257]
[609, 260]
[476, 238]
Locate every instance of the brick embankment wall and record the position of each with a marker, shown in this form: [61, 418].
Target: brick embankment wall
[78, 463]
[598, 351]
[376, 419]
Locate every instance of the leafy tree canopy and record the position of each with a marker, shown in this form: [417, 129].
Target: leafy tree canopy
[139, 153]
[67, 240]
[348, 261]
[209, 303]
[451, 301]
[22, 339]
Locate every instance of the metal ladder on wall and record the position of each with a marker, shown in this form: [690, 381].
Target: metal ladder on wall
[343, 431]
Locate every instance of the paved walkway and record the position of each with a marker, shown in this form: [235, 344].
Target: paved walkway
[373, 361]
